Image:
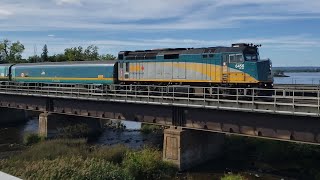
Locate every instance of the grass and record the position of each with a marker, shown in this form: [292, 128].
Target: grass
[233, 177]
[147, 164]
[149, 128]
[32, 138]
[75, 159]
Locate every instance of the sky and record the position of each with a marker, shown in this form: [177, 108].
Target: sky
[288, 30]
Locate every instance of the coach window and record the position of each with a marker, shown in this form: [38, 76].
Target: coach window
[210, 55]
[127, 67]
[204, 56]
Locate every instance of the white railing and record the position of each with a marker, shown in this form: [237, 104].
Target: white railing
[304, 102]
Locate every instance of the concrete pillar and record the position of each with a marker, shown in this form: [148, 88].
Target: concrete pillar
[188, 148]
[43, 124]
[49, 123]
[12, 116]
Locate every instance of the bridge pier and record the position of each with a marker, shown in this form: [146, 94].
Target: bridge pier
[188, 148]
[8, 116]
[49, 123]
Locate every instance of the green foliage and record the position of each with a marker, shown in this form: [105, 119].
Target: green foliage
[11, 51]
[44, 55]
[73, 167]
[30, 139]
[52, 149]
[80, 54]
[79, 130]
[74, 159]
[233, 177]
[57, 58]
[116, 124]
[107, 57]
[148, 164]
[34, 59]
[149, 128]
[113, 154]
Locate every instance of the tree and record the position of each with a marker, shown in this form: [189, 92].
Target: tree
[11, 52]
[107, 57]
[44, 55]
[34, 59]
[91, 53]
[78, 54]
[74, 54]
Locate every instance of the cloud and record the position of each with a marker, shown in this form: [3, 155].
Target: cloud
[4, 12]
[70, 2]
[149, 14]
[51, 35]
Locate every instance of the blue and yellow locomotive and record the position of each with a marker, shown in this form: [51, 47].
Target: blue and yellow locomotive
[235, 66]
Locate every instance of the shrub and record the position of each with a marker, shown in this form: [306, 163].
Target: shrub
[233, 177]
[149, 128]
[113, 154]
[69, 168]
[32, 138]
[147, 164]
[75, 131]
[52, 149]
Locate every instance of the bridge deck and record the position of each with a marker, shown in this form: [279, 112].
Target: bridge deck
[297, 102]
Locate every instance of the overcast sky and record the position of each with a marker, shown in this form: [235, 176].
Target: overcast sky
[289, 30]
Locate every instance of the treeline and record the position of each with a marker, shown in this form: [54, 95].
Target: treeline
[11, 52]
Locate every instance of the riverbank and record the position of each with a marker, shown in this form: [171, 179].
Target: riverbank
[75, 159]
[248, 158]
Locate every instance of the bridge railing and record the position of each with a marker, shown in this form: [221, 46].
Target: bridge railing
[279, 101]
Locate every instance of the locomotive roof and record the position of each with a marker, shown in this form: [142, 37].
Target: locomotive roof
[68, 63]
[219, 49]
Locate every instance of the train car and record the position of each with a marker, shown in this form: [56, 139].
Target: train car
[235, 66]
[5, 72]
[97, 72]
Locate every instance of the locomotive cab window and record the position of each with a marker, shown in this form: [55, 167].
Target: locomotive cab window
[235, 58]
[251, 57]
[121, 65]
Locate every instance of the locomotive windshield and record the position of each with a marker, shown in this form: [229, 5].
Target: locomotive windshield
[251, 54]
[252, 57]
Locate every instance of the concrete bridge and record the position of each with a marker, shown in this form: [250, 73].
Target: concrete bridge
[288, 115]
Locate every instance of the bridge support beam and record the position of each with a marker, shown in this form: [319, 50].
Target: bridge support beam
[188, 148]
[11, 116]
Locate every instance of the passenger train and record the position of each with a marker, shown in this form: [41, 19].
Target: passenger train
[235, 66]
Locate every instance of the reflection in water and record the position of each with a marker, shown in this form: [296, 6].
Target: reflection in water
[131, 137]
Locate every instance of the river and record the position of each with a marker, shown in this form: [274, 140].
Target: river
[299, 78]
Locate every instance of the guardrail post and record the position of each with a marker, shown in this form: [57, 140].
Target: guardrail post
[204, 97]
[253, 92]
[318, 102]
[293, 102]
[275, 100]
[218, 90]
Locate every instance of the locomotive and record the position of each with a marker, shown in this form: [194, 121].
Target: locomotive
[235, 66]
